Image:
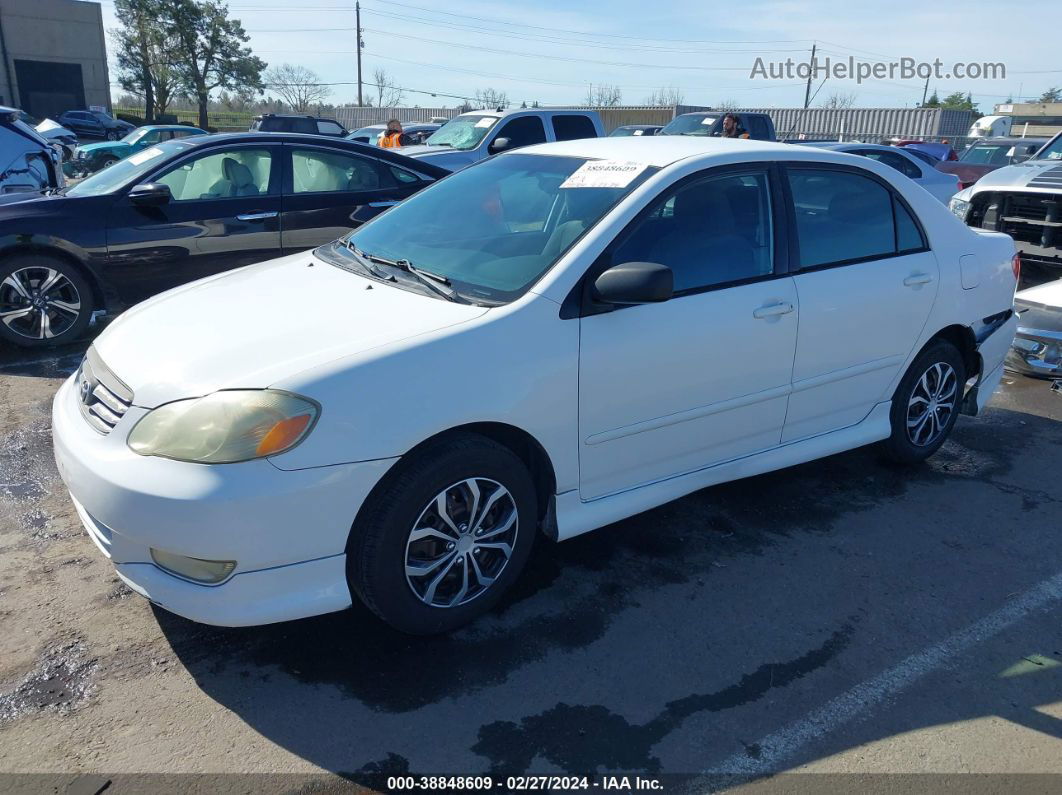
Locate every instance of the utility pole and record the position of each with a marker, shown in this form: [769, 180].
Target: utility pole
[925, 92]
[811, 75]
[357, 24]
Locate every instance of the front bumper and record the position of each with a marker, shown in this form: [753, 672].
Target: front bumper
[1036, 352]
[287, 530]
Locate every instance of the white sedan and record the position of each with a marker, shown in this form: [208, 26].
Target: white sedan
[941, 185]
[548, 341]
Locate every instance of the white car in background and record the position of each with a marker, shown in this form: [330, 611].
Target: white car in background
[551, 340]
[942, 186]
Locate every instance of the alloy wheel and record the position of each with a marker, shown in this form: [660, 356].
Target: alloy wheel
[39, 302]
[932, 404]
[461, 542]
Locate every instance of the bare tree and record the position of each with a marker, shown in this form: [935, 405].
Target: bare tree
[665, 97]
[298, 86]
[491, 98]
[603, 95]
[388, 95]
[839, 101]
[727, 105]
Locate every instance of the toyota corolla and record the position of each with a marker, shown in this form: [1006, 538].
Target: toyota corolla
[543, 343]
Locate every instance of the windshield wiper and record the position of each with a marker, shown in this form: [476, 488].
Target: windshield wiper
[367, 263]
[435, 282]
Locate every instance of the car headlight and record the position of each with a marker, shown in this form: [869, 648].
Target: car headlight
[225, 427]
[960, 207]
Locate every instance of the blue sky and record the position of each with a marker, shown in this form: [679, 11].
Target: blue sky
[551, 51]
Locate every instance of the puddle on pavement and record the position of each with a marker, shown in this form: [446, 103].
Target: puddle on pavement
[62, 678]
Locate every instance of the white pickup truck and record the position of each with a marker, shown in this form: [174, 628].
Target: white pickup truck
[475, 136]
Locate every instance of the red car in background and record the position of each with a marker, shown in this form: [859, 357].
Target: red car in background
[988, 155]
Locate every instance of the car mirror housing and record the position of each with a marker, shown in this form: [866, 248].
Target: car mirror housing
[634, 283]
[500, 145]
[150, 194]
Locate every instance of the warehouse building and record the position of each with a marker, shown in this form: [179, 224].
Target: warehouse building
[53, 56]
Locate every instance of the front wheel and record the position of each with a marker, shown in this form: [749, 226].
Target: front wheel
[113, 135]
[444, 536]
[107, 162]
[44, 301]
[926, 404]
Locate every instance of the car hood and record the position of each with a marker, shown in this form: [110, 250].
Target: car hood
[252, 327]
[1048, 294]
[444, 157]
[1021, 175]
[103, 146]
[50, 128]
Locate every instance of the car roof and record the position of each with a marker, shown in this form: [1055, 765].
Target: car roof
[659, 150]
[170, 127]
[213, 139]
[1013, 139]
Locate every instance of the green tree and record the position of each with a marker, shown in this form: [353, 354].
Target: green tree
[136, 44]
[956, 101]
[932, 102]
[1053, 94]
[209, 50]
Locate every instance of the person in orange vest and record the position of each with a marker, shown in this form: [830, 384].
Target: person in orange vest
[393, 137]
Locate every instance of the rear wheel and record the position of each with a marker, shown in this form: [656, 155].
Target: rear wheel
[926, 404]
[446, 534]
[44, 301]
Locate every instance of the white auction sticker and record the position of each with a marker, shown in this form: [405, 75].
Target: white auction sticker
[604, 174]
[143, 157]
[485, 122]
[708, 120]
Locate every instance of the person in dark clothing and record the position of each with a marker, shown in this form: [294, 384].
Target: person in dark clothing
[731, 128]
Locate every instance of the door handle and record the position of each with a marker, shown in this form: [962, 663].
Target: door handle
[773, 310]
[917, 279]
[256, 216]
[390, 203]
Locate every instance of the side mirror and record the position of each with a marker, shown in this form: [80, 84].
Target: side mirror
[150, 194]
[634, 283]
[499, 145]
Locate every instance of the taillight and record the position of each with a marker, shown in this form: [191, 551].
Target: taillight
[1015, 265]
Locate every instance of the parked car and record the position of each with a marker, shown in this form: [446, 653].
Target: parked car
[1025, 202]
[53, 132]
[552, 339]
[988, 155]
[413, 134]
[295, 123]
[938, 183]
[635, 129]
[759, 126]
[937, 150]
[29, 163]
[474, 136]
[93, 157]
[178, 211]
[1037, 346]
[96, 124]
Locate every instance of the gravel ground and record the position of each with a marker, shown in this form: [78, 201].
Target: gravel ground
[841, 616]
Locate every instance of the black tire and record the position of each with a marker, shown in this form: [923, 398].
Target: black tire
[377, 548]
[63, 325]
[107, 162]
[113, 135]
[914, 445]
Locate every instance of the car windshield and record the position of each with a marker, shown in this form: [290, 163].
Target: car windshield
[1053, 150]
[368, 133]
[690, 124]
[622, 131]
[493, 229]
[462, 132]
[135, 135]
[129, 170]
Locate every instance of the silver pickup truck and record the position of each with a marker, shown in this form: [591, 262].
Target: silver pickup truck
[475, 136]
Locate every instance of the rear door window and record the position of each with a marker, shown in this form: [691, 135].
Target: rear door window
[573, 127]
[328, 127]
[844, 217]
